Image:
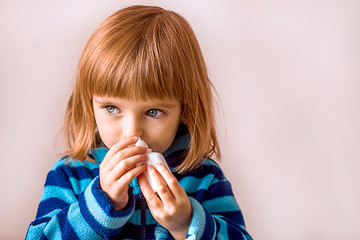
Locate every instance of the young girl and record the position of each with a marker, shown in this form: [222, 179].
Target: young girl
[141, 74]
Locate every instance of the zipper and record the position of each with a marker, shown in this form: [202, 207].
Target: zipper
[143, 217]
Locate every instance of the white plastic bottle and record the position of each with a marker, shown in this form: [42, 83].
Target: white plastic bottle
[153, 158]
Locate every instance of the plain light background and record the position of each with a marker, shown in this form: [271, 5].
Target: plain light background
[288, 79]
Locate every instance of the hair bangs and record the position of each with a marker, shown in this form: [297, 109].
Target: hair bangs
[138, 67]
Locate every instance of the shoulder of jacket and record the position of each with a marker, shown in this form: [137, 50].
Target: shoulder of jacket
[67, 163]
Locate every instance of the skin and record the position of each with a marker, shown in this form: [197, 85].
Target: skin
[120, 122]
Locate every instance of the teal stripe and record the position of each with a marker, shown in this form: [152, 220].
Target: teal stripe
[79, 225]
[136, 216]
[79, 186]
[221, 204]
[198, 221]
[223, 231]
[209, 162]
[100, 216]
[35, 232]
[179, 144]
[99, 153]
[193, 184]
[61, 193]
[52, 229]
[76, 163]
[161, 232]
[58, 164]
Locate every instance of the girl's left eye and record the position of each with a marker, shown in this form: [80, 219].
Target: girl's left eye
[154, 113]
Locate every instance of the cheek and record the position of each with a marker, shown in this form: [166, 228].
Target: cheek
[164, 136]
[107, 132]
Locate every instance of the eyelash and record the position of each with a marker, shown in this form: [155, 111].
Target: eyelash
[110, 106]
[106, 108]
[157, 111]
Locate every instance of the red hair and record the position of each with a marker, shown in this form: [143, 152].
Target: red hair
[143, 52]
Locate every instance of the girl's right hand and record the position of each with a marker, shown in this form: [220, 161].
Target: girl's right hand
[119, 167]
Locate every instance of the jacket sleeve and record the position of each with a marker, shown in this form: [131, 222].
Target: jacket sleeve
[65, 214]
[217, 215]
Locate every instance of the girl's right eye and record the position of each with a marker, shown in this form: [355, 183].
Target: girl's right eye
[112, 109]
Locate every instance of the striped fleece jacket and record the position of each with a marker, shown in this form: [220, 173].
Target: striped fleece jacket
[73, 206]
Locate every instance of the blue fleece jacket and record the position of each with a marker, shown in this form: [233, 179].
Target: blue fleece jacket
[73, 206]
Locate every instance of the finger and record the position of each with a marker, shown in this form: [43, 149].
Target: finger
[161, 185]
[172, 183]
[123, 143]
[127, 164]
[123, 155]
[150, 196]
[130, 175]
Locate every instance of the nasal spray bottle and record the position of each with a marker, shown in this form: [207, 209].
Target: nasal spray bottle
[153, 158]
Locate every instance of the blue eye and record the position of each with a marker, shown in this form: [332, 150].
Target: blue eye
[155, 113]
[111, 109]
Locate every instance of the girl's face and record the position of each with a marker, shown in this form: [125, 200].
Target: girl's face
[155, 120]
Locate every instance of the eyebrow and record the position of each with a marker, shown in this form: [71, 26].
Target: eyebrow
[106, 101]
[165, 105]
[156, 104]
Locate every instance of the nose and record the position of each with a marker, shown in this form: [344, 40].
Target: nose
[132, 126]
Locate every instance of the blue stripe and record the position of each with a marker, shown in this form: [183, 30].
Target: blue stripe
[210, 163]
[80, 172]
[79, 225]
[234, 217]
[221, 188]
[210, 227]
[207, 169]
[52, 213]
[57, 178]
[61, 193]
[50, 205]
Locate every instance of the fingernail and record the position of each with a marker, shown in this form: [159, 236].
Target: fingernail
[142, 164]
[158, 164]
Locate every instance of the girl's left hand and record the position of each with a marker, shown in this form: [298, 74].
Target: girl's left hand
[172, 208]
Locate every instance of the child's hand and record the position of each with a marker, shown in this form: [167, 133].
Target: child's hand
[119, 168]
[172, 209]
